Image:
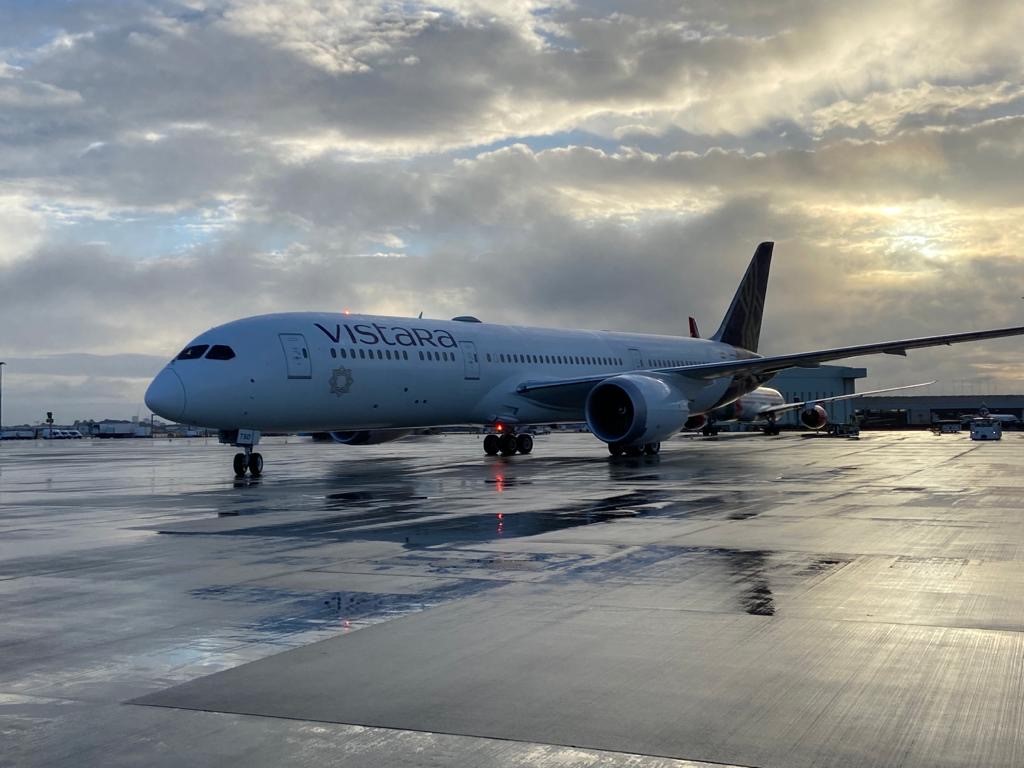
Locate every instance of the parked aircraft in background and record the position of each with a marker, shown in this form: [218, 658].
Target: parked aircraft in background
[368, 379]
[764, 405]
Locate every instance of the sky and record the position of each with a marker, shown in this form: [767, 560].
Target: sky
[169, 166]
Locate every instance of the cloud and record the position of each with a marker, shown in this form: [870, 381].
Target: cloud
[166, 166]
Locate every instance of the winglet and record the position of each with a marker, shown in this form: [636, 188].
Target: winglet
[694, 333]
[741, 326]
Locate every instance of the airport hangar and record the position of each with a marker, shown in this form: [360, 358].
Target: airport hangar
[892, 411]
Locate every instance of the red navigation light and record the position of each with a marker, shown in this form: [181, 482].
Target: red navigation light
[499, 427]
[348, 312]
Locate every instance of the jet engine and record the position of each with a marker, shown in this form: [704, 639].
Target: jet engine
[635, 409]
[813, 417]
[368, 436]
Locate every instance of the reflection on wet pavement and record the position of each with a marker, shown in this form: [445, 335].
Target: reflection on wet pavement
[128, 568]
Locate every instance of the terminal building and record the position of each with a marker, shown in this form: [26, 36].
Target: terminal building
[896, 411]
[900, 412]
[799, 384]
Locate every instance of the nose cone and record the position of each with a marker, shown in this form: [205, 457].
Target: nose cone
[166, 395]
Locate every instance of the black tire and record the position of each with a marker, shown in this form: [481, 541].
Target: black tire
[614, 450]
[492, 445]
[507, 444]
[652, 449]
[239, 464]
[256, 464]
[635, 450]
[524, 443]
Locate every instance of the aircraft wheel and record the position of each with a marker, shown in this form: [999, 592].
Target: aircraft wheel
[652, 449]
[507, 444]
[635, 450]
[256, 464]
[614, 450]
[492, 445]
[524, 443]
[239, 464]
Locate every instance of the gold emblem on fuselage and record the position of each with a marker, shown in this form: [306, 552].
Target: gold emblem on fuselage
[341, 381]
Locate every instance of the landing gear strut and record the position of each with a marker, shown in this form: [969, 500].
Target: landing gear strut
[508, 444]
[771, 428]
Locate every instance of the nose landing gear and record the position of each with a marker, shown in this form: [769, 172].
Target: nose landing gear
[248, 460]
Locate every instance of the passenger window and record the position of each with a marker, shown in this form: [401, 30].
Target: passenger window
[334, 352]
[362, 353]
[342, 351]
[387, 353]
[192, 353]
[380, 354]
[405, 355]
[220, 352]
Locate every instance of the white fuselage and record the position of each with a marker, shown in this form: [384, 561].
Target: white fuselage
[751, 407]
[304, 372]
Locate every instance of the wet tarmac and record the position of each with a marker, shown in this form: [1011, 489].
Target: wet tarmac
[742, 601]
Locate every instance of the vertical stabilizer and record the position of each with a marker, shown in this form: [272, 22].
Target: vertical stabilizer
[741, 326]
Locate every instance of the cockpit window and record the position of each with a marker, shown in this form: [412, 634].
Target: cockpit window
[220, 352]
[194, 352]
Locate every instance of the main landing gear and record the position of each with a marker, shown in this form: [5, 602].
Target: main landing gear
[508, 444]
[645, 449]
[771, 428]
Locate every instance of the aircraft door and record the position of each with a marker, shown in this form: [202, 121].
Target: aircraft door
[296, 355]
[637, 358]
[471, 360]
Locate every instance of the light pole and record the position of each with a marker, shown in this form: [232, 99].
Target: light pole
[2, 364]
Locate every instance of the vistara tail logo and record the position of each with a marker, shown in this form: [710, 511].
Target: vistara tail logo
[341, 381]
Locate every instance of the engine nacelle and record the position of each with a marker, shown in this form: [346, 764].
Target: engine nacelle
[636, 408]
[814, 417]
[696, 422]
[368, 436]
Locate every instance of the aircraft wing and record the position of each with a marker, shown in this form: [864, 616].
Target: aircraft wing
[758, 365]
[776, 363]
[792, 406]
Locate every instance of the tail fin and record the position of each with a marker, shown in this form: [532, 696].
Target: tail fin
[741, 326]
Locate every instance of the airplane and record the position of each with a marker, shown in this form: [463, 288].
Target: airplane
[764, 405]
[370, 379]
